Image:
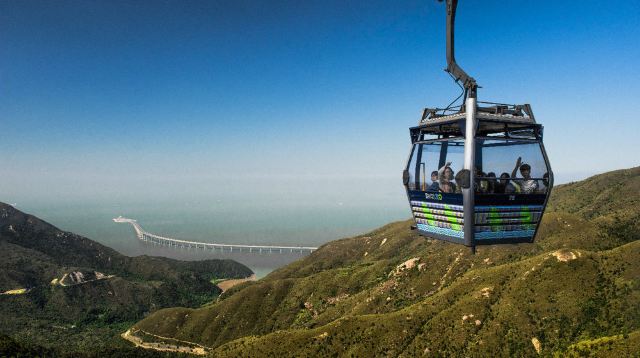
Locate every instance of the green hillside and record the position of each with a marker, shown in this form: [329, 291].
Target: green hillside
[62, 290]
[575, 291]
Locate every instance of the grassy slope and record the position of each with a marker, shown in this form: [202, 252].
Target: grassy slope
[12, 348]
[347, 297]
[91, 314]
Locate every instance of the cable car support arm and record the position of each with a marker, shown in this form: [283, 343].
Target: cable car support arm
[468, 82]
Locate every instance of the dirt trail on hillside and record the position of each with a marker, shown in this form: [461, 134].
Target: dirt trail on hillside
[163, 347]
[227, 284]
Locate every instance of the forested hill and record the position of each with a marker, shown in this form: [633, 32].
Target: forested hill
[62, 290]
[390, 292]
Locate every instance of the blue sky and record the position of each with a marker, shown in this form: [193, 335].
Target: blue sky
[102, 98]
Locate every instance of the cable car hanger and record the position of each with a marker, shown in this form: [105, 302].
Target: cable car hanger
[459, 75]
[465, 81]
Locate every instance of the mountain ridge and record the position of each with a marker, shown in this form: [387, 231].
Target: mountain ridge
[339, 296]
[56, 286]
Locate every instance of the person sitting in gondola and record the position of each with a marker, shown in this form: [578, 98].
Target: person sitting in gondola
[506, 186]
[458, 180]
[545, 184]
[513, 187]
[526, 184]
[492, 182]
[482, 184]
[445, 177]
[434, 187]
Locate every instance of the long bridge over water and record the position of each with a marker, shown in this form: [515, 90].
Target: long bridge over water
[167, 241]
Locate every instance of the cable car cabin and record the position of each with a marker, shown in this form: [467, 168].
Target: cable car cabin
[478, 177]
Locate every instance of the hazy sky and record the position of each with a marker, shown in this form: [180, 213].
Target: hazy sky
[126, 98]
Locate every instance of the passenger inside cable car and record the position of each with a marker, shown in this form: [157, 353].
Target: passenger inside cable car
[434, 187]
[442, 159]
[445, 178]
[525, 178]
[542, 189]
[526, 184]
[492, 182]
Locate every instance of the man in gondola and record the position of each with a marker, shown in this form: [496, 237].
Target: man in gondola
[526, 184]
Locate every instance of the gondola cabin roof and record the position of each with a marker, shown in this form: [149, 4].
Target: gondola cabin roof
[508, 121]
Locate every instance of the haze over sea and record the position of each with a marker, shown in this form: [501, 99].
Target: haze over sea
[305, 212]
[296, 211]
